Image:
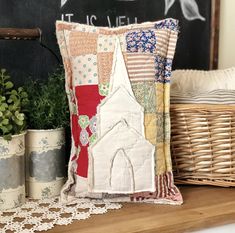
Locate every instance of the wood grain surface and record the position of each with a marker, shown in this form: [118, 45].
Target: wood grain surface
[203, 207]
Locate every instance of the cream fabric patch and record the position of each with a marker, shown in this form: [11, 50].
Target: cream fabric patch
[125, 165]
[85, 69]
[119, 105]
[106, 43]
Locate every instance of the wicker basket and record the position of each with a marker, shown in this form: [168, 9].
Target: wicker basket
[203, 144]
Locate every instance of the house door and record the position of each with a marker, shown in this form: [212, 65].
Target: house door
[121, 174]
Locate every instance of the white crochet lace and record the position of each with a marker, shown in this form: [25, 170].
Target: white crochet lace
[42, 215]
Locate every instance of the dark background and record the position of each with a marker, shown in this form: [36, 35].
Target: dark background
[27, 59]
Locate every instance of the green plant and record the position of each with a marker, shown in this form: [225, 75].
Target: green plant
[12, 107]
[48, 102]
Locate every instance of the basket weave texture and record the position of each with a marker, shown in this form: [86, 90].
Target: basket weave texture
[203, 144]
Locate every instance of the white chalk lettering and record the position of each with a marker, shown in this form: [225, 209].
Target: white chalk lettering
[122, 22]
[90, 19]
[109, 22]
[67, 17]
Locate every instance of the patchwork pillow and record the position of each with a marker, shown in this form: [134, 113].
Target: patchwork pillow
[200, 81]
[87, 52]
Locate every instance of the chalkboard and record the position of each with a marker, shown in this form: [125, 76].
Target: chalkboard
[25, 59]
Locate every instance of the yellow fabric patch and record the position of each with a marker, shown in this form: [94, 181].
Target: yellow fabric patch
[163, 158]
[160, 159]
[168, 157]
[163, 97]
[166, 97]
[150, 123]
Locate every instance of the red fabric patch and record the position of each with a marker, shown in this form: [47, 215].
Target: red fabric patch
[82, 162]
[88, 98]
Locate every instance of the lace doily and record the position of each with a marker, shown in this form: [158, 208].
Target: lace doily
[42, 215]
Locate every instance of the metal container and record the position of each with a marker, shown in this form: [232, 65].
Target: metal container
[45, 162]
[12, 172]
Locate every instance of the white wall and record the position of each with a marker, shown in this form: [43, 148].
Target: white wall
[227, 34]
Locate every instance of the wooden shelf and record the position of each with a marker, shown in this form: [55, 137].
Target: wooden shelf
[203, 207]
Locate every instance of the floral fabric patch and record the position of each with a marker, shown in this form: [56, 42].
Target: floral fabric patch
[92, 125]
[104, 89]
[141, 41]
[163, 127]
[85, 70]
[145, 94]
[84, 137]
[83, 121]
[171, 24]
[163, 69]
[92, 139]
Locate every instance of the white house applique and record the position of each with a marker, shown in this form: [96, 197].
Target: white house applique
[121, 160]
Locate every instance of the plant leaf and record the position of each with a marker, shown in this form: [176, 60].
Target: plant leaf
[7, 137]
[5, 122]
[20, 89]
[190, 10]
[17, 121]
[4, 129]
[168, 5]
[2, 108]
[14, 92]
[8, 85]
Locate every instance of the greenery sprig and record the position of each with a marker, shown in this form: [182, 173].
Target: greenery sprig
[13, 104]
[48, 103]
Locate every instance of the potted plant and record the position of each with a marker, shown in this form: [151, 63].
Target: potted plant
[45, 139]
[12, 143]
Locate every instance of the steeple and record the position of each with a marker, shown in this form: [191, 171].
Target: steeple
[119, 76]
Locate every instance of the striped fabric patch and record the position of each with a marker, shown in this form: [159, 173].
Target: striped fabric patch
[212, 97]
[165, 47]
[140, 66]
[165, 188]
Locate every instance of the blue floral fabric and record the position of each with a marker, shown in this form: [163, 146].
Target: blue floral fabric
[141, 41]
[171, 24]
[163, 69]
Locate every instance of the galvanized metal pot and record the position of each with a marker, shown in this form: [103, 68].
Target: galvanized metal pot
[12, 172]
[45, 162]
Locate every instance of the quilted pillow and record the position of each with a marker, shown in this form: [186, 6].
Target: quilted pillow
[87, 52]
[200, 81]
